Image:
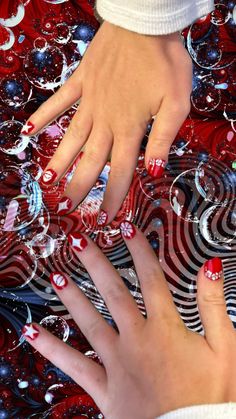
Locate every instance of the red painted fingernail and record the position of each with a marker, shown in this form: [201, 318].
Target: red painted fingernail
[64, 206]
[59, 280]
[77, 241]
[127, 229]
[30, 331]
[27, 128]
[156, 167]
[102, 218]
[49, 176]
[213, 269]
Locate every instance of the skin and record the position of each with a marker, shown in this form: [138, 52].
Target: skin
[154, 364]
[123, 80]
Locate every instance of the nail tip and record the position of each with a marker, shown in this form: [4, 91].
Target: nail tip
[58, 279]
[102, 218]
[127, 229]
[77, 241]
[156, 168]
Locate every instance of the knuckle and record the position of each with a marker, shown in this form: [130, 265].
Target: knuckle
[213, 298]
[93, 328]
[117, 171]
[116, 292]
[92, 156]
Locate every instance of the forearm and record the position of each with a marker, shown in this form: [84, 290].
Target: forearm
[153, 17]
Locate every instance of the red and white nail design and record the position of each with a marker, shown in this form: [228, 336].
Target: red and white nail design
[156, 167]
[30, 331]
[77, 241]
[64, 205]
[127, 229]
[49, 176]
[213, 269]
[59, 280]
[102, 218]
[27, 128]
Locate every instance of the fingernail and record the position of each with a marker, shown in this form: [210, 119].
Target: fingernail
[127, 229]
[30, 331]
[49, 176]
[102, 218]
[64, 205]
[77, 241]
[156, 167]
[27, 128]
[59, 280]
[213, 269]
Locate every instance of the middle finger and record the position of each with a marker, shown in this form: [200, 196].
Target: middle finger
[117, 297]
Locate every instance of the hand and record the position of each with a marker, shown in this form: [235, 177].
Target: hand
[124, 79]
[154, 364]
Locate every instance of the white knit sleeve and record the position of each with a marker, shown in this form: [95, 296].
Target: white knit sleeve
[153, 17]
[206, 411]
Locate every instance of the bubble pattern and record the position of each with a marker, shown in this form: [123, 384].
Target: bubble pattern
[188, 216]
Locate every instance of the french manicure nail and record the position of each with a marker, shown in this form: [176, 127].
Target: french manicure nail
[59, 280]
[127, 229]
[64, 206]
[27, 128]
[213, 269]
[102, 218]
[156, 167]
[77, 241]
[49, 176]
[30, 331]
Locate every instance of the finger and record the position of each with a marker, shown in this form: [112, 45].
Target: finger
[123, 162]
[63, 99]
[164, 130]
[98, 332]
[211, 302]
[155, 291]
[117, 297]
[81, 369]
[89, 168]
[69, 148]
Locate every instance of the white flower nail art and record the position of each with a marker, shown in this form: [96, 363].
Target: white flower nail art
[127, 229]
[102, 218]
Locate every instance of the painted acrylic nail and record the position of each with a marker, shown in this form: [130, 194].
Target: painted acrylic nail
[64, 206]
[30, 331]
[59, 280]
[213, 269]
[77, 241]
[49, 176]
[27, 128]
[127, 229]
[102, 218]
[156, 167]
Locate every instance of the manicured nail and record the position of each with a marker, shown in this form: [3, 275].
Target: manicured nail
[213, 269]
[59, 280]
[27, 128]
[64, 205]
[49, 176]
[77, 241]
[156, 167]
[127, 229]
[30, 331]
[102, 218]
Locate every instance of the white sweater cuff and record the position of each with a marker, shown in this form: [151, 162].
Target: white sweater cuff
[153, 17]
[206, 411]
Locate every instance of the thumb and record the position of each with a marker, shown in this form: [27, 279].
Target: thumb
[211, 302]
[164, 130]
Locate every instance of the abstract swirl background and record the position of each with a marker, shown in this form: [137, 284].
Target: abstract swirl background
[188, 216]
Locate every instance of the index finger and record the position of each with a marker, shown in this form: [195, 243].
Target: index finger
[57, 104]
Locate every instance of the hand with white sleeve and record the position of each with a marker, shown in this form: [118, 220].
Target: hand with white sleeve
[153, 365]
[124, 79]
